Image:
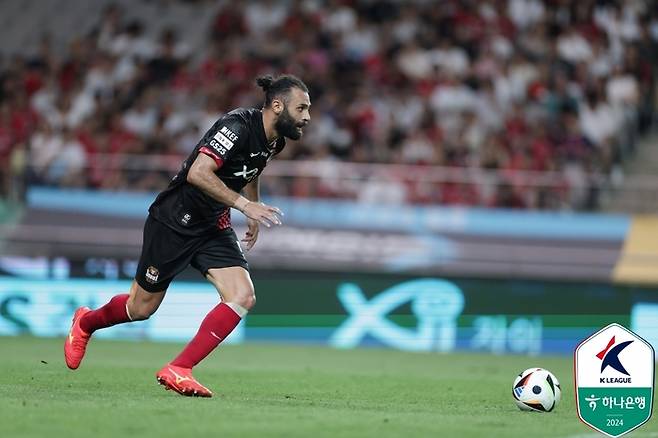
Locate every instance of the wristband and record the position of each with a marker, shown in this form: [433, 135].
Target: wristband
[241, 203]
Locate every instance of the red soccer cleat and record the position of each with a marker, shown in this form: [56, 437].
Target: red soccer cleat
[181, 380]
[76, 342]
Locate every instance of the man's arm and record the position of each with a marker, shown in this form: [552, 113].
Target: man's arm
[202, 175]
[252, 190]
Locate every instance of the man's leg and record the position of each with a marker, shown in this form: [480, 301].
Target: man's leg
[237, 292]
[136, 306]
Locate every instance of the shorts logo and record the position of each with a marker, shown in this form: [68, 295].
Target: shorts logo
[152, 274]
[186, 219]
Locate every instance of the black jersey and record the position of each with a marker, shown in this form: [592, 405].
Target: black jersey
[238, 144]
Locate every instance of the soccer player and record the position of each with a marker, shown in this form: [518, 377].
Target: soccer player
[189, 223]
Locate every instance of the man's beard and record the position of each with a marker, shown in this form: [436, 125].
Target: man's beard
[286, 126]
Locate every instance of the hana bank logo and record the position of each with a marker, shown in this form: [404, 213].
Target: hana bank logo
[435, 303]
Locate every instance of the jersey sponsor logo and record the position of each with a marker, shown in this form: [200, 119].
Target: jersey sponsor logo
[152, 274]
[228, 133]
[246, 174]
[223, 140]
[219, 148]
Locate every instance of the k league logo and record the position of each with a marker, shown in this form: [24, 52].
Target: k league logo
[614, 380]
[610, 357]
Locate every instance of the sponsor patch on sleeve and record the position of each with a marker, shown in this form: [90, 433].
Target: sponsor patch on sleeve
[225, 137]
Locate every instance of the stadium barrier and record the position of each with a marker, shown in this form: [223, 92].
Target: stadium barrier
[386, 183]
[341, 235]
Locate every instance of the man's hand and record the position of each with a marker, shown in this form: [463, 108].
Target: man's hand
[252, 233]
[262, 213]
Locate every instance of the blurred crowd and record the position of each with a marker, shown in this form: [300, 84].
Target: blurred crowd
[513, 87]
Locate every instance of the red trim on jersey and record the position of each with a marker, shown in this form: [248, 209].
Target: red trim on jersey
[224, 219]
[211, 154]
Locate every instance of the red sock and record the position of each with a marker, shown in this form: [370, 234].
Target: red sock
[216, 326]
[114, 312]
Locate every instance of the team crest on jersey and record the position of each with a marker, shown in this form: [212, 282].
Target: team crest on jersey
[152, 274]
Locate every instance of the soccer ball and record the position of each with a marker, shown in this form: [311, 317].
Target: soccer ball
[536, 389]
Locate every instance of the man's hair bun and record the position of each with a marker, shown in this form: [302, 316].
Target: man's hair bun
[265, 82]
[281, 85]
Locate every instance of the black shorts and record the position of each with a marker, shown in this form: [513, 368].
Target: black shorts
[166, 253]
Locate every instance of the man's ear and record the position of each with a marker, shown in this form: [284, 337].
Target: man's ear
[277, 106]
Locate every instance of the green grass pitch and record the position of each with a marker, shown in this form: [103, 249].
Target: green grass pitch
[275, 391]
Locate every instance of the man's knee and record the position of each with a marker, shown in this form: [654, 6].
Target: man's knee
[141, 303]
[245, 297]
[234, 286]
[140, 310]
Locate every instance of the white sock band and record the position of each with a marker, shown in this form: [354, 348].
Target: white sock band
[128, 312]
[241, 311]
